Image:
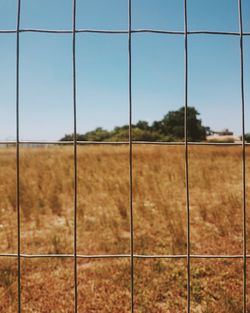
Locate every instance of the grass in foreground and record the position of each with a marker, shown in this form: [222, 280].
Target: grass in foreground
[159, 202]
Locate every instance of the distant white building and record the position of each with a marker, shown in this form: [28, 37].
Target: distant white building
[223, 136]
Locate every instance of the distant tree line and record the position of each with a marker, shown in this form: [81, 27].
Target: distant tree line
[170, 128]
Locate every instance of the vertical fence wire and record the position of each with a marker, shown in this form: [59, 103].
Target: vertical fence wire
[75, 150]
[18, 159]
[243, 157]
[186, 144]
[186, 150]
[130, 155]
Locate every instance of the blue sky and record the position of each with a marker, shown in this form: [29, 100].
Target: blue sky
[102, 71]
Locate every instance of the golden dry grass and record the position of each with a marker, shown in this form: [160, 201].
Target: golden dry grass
[103, 228]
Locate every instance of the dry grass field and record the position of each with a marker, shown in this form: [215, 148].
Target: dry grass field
[159, 202]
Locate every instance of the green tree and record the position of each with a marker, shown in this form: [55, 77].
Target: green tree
[170, 128]
[173, 125]
[99, 134]
[143, 125]
[247, 137]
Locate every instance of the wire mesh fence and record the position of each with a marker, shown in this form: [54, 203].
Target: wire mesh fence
[75, 143]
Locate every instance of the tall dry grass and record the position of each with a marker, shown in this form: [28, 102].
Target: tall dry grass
[159, 201]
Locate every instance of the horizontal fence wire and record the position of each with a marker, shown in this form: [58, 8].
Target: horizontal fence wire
[126, 256]
[164, 143]
[111, 31]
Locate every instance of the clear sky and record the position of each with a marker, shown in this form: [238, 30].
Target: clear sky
[102, 65]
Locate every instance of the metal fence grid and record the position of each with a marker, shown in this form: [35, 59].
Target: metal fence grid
[188, 256]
